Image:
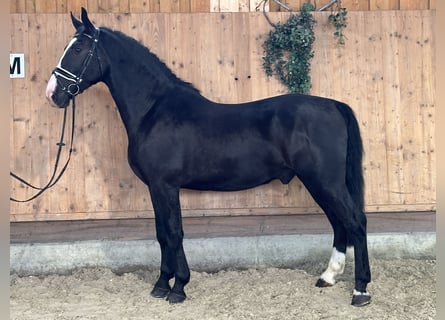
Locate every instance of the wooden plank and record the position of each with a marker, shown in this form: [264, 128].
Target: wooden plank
[62, 6]
[74, 6]
[16, 6]
[174, 6]
[414, 4]
[184, 6]
[259, 86]
[355, 5]
[124, 6]
[45, 6]
[147, 212]
[416, 144]
[139, 7]
[62, 199]
[427, 89]
[241, 72]
[433, 5]
[214, 5]
[68, 6]
[375, 122]
[199, 5]
[384, 4]
[168, 6]
[205, 227]
[30, 6]
[224, 80]
[229, 5]
[107, 6]
[273, 6]
[155, 5]
[37, 139]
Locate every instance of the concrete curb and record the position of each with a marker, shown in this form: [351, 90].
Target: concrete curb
[208, 254]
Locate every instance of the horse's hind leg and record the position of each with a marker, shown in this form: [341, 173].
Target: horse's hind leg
[349, 225]
[170, 236]
[337, 261]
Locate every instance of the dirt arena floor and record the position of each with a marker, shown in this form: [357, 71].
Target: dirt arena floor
[401, 289]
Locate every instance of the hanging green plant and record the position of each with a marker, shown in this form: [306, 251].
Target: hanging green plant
[338, 20]
[288, 50]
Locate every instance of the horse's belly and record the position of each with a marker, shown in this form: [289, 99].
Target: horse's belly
[231, 184]
[233, 175]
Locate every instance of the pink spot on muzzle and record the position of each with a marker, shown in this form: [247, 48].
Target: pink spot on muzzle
[50, 88]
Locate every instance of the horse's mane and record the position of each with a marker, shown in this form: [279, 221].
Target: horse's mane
[147, 58]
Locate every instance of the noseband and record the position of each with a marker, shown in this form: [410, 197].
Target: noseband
[74, 81]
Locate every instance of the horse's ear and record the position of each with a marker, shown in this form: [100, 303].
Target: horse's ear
[89, 27]
[76, 23]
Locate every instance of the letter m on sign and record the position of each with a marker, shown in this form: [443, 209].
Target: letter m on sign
[16, 65]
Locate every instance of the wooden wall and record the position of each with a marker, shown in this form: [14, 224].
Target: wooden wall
[187, 6]
[385, 72]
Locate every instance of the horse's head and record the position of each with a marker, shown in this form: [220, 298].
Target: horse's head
[79, 66]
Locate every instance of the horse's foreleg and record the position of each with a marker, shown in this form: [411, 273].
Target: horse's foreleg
[170, 236]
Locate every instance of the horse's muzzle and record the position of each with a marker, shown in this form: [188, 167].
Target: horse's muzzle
[57, 98]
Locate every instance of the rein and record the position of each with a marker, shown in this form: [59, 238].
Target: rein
[73, 89]
[54, 177]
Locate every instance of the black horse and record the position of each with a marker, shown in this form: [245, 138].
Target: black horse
[179, 139]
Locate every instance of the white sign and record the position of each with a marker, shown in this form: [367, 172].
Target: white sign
[16, 65]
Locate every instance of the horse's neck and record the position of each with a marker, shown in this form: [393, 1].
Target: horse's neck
[133, 100]
[134, 87]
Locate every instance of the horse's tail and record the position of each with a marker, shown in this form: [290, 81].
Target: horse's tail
[354, 171]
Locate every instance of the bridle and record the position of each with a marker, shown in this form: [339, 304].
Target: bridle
[75, 81]
[73, 89]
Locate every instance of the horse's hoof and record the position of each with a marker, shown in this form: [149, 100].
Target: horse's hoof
[158, 292]
[361, 299]
[176, 297]
[322, 283]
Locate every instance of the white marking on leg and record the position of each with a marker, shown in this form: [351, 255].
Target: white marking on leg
[336, 266]
[358, 293]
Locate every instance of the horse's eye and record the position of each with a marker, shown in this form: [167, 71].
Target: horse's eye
[77, 49]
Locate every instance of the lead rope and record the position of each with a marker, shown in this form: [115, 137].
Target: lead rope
[54, 178]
